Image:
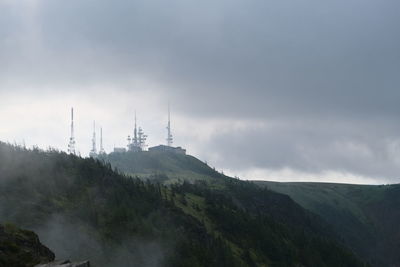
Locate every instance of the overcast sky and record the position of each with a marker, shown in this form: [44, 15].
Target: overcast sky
[288, 90]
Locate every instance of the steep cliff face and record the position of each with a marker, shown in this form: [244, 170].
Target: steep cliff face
[21, 248]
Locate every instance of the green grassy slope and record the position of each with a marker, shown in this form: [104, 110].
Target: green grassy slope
[366, 216]
[166, 167]
[82, 209]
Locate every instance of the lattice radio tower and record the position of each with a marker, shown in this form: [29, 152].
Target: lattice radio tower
[71, 144]
[169, 134]
[93, 152]
[102, 151]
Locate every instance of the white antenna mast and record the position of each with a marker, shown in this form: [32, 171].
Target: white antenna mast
[102, 151]
[71, 144]
[169, 134]
[135, 136]
[93, 152]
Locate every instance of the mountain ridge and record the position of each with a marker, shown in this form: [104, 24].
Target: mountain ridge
[118, 219]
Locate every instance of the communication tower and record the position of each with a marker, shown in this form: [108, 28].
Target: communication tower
[93, 152]
[169, 134]
[71, 144]
[138, 142]
[102, 151]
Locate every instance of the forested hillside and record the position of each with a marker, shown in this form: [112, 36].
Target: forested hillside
[366, 216]
[82, 209]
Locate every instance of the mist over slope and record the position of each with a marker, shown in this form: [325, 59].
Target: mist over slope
[366, 216]
[83, 209]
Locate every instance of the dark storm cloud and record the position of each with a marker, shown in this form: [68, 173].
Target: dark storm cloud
[272, 56]
[296, 62]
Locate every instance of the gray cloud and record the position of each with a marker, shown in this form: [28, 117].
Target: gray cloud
[327, 72]
[310, 147]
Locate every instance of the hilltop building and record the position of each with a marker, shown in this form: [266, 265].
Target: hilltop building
[164, 148]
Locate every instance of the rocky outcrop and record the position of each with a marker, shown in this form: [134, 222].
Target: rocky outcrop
[21, 248]
[66, 263]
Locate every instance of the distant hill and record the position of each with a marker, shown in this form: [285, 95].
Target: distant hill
[366, 216]
[167, 167]
[83, 209]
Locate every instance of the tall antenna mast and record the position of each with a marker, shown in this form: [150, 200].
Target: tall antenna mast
[169, 134]
[71, 144]
[135, 134]
[136, 143]
[93, 152]
[102, 151]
